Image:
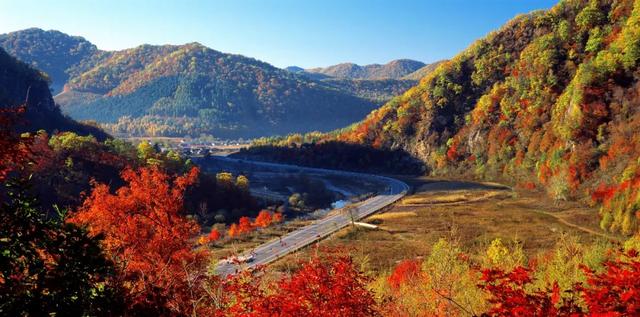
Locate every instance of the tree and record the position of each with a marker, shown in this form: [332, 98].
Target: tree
[214, 235]
[149, 239]
[329, 287]
[242, 182]
[233, 230]
[244, 225]
[14, 149]
[278, 217]
[616, 291]
[49, 267]
[264, 219]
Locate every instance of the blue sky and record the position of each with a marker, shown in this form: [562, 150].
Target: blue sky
[305, 33]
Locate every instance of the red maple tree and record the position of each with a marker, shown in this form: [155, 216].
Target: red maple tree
[330, 287]
[264, 219]
[214, 235]
[149, 239]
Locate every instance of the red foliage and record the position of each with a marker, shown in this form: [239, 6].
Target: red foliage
[278, 217]
[528, 185]
[333, 287]
[603, 193]
[148, 238]
[406, 270]
[214, 235]
[615, 292]
[452, 153]
[510, 298]
[14, 149]
[244, 225]
[264, 219]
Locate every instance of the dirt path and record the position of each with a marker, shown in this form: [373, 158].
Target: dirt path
[579, 227]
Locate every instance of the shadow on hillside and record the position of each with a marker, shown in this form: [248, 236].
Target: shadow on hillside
[449, 185]
[339, 156]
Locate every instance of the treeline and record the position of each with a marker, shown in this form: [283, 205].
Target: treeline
[334, 155]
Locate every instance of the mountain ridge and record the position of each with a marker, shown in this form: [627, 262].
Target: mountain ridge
[189, 89]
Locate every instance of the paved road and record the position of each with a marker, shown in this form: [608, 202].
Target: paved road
[321, 228]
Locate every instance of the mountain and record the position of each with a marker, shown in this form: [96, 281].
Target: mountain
[423, 71]
[53, 52]
[393, 70]
[378, 83]
[177, 90]
[548, 101]
[376, 90]
[20, 84]
[294, 69]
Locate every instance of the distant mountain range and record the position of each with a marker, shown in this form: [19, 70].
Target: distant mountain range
[396, 69]
[176, 90]
[375, 82]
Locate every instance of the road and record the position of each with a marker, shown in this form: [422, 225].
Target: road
[321, 228]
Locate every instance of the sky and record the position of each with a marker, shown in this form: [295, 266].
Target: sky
[305, 33]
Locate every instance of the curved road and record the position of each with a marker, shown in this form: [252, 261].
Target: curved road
[275, 249]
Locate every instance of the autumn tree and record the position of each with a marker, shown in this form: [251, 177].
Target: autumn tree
[328, 287]
[149, 239]
[263, 219]
[14, 148]
[214, 235]
[245, 225]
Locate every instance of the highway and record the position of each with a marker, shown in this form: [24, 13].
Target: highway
[275, 249]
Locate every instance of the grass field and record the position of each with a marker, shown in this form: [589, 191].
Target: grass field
[473, 213]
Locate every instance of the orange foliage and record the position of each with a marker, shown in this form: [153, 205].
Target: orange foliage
[278, 217]
[147, 237]
[406, 270]
[244, 225]
[233, 230]
[264, 219]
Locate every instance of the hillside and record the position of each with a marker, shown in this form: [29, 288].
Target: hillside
[177, 90]
[423, 71]
[22, 85]
[393, 70]
[548, 101]
[53, 52]
[378, 83]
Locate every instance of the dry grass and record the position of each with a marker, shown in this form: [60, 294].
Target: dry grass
[231, 246]
[409, 228]
[394, 215]
[449, 197]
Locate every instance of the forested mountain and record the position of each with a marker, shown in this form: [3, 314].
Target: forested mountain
[376, 90]
[395, 69]
[378, 83]
[178, 90]
[422, 72]
[22, 85]
[550, 100]
[57, 54]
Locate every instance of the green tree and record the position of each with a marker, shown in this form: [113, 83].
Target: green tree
[49, 267]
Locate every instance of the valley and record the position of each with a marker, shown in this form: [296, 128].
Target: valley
[449, 167]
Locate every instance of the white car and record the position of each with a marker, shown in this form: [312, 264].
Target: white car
[239, 259]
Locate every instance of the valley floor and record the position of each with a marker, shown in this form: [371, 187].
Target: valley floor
[473, 213]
